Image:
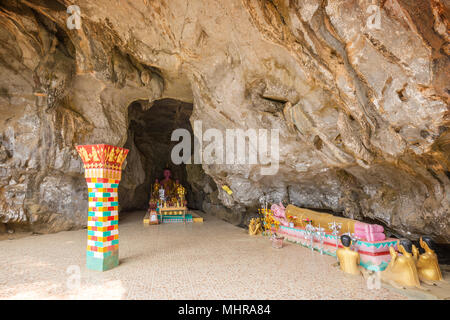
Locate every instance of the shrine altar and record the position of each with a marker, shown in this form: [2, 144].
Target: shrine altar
[173, 211]
[167, 200]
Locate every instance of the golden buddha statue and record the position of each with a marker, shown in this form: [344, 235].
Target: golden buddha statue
[181, 192]
[156, 187]
[154, 195]
[364, 231]
[254, 228]
[348, 259]
[402, 270]
[427, 263]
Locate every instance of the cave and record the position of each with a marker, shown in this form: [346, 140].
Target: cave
[149, 141]
[353, 139]
[361, 112]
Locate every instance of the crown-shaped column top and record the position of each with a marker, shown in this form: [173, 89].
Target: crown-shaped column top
[102, 156]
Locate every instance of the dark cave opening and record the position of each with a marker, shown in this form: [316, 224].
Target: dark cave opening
[149, 141]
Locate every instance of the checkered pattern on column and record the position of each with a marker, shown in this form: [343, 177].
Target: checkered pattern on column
[103, 218]
[103, 177]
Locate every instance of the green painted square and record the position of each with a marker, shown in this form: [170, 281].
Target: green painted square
[105, 264]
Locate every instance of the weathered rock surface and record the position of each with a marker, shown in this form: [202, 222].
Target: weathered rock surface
[362, 108]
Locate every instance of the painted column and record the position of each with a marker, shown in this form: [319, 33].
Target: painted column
[103, 171]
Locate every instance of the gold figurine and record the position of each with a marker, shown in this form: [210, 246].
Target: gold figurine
[155, 191]
[402, 270]
[254, 228]
[181, 192]
[348, 259]
[427, 263]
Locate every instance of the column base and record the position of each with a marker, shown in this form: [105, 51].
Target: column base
[102, 264]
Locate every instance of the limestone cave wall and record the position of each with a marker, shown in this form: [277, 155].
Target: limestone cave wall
[358, 90]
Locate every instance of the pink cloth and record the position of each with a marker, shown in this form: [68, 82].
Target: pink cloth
[377, 236]
[368, 228]
[279, 213]
[369, 232]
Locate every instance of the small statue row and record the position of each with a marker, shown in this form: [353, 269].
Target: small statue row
[406, 270]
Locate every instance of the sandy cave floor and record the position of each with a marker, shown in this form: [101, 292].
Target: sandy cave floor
[209, 260]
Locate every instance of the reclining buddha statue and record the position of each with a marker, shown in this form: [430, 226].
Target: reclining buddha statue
[364, 231]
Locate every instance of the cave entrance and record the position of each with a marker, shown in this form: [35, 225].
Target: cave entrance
[149, 141]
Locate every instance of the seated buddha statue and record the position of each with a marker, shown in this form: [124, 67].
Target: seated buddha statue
[427, 263]
[176, 186]
[167, 184]
[402, 270]
[155, 191]
[348, 259]
[180, 192]
[154, 194]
